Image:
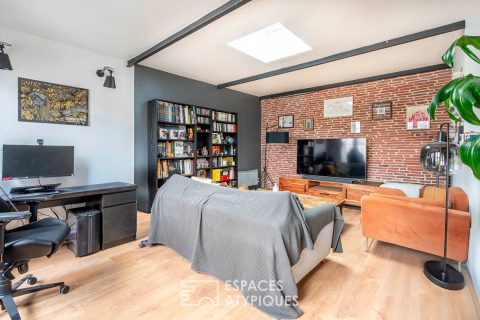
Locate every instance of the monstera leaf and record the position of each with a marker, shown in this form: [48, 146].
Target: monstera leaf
[470, 155]
[460, 96]
[463, 43]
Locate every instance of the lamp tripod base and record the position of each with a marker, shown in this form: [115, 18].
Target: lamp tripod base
[452, 279]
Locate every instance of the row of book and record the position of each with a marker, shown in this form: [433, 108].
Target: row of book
[224, 127]
[172, 112]
[175, 132]
[172, 149]
[167, 168]
[203, 112]
[223, 116]
[223, 161]
[223, 174]
[203, 120]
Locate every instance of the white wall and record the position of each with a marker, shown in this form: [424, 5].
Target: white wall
[104, 148]
[465, 178]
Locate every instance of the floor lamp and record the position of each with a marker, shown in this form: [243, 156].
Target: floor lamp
[275, 137]
[442, 157]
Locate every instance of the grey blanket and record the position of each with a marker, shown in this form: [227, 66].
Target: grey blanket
[249, 239]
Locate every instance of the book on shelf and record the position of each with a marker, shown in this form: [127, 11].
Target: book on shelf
[224, 116]
[174, 132]
[172, 149]
[167, 168]
[178, 113]
[203, 120]
[224, 127]
[203, 112]
[223, 174]
[223, 161]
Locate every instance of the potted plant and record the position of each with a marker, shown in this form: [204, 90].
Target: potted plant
[461, 96]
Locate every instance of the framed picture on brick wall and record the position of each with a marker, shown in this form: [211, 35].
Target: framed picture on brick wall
[285, 121]
[382, 110]
[418, 118]
[308, 123]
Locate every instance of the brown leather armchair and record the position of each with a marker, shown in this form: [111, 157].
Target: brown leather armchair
[418, 223]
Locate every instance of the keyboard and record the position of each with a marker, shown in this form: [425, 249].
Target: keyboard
[33, 195]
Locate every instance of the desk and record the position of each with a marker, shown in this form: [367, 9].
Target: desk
[117, 201]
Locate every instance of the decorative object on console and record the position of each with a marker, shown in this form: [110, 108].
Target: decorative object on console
[355, 126]
[340, 107]
[438, 157]
[309, 124]
[285, 121]
[382, 110]
[46, 102]
[418, 118]
[109, 79]
[4, 59]
[460, 96]
[275, 137]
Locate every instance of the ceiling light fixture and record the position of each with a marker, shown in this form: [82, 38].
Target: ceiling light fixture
[109, 79]
[4, 59]
[271, 43]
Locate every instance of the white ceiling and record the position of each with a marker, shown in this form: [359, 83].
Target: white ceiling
[118, 28]
[123, 29]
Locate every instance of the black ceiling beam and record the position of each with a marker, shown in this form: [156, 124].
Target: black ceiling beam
[351, 53]
[197, 25]
[358, 81]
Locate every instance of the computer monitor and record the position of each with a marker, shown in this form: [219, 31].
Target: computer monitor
[36, 161]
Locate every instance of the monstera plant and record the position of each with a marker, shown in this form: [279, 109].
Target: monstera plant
[461, 97]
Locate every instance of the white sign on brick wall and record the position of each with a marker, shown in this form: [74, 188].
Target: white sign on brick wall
[341, 107]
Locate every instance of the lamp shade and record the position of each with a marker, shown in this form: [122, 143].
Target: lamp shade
[5, 62]
[277, 137]
[434, 158]
[109, 82]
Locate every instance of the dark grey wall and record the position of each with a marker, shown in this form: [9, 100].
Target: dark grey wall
[154, 84]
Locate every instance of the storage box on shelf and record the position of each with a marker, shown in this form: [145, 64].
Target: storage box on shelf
[183, 139]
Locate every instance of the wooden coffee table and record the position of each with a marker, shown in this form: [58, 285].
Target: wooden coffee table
[309, 202]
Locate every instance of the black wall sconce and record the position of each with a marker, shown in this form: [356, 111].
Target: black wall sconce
[4, 59]
[109, 79]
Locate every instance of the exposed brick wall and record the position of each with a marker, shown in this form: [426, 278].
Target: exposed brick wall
[393, 152]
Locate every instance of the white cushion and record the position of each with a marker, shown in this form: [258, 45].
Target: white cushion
[410, 189]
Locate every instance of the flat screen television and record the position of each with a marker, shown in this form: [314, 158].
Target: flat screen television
[337, 158]
[35, 161]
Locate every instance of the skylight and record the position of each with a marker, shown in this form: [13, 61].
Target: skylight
[272, 43]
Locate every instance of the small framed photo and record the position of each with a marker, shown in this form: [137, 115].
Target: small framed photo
[382, 110]
[285, 121]
[309, 124]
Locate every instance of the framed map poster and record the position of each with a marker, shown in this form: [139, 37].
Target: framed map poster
[418, 118]
[340, 107]
[47, 102]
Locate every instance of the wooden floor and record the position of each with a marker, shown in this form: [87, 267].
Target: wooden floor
[127, 282]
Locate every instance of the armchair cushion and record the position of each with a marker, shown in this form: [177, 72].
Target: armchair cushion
[426, 202]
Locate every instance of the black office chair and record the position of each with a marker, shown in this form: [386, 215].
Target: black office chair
[18, 246]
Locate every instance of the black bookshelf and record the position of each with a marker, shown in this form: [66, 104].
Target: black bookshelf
[201, 138]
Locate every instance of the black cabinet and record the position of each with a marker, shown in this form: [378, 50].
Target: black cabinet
[119, 224]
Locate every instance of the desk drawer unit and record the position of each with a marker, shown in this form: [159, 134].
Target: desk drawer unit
[114, 199]
[119, 218]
